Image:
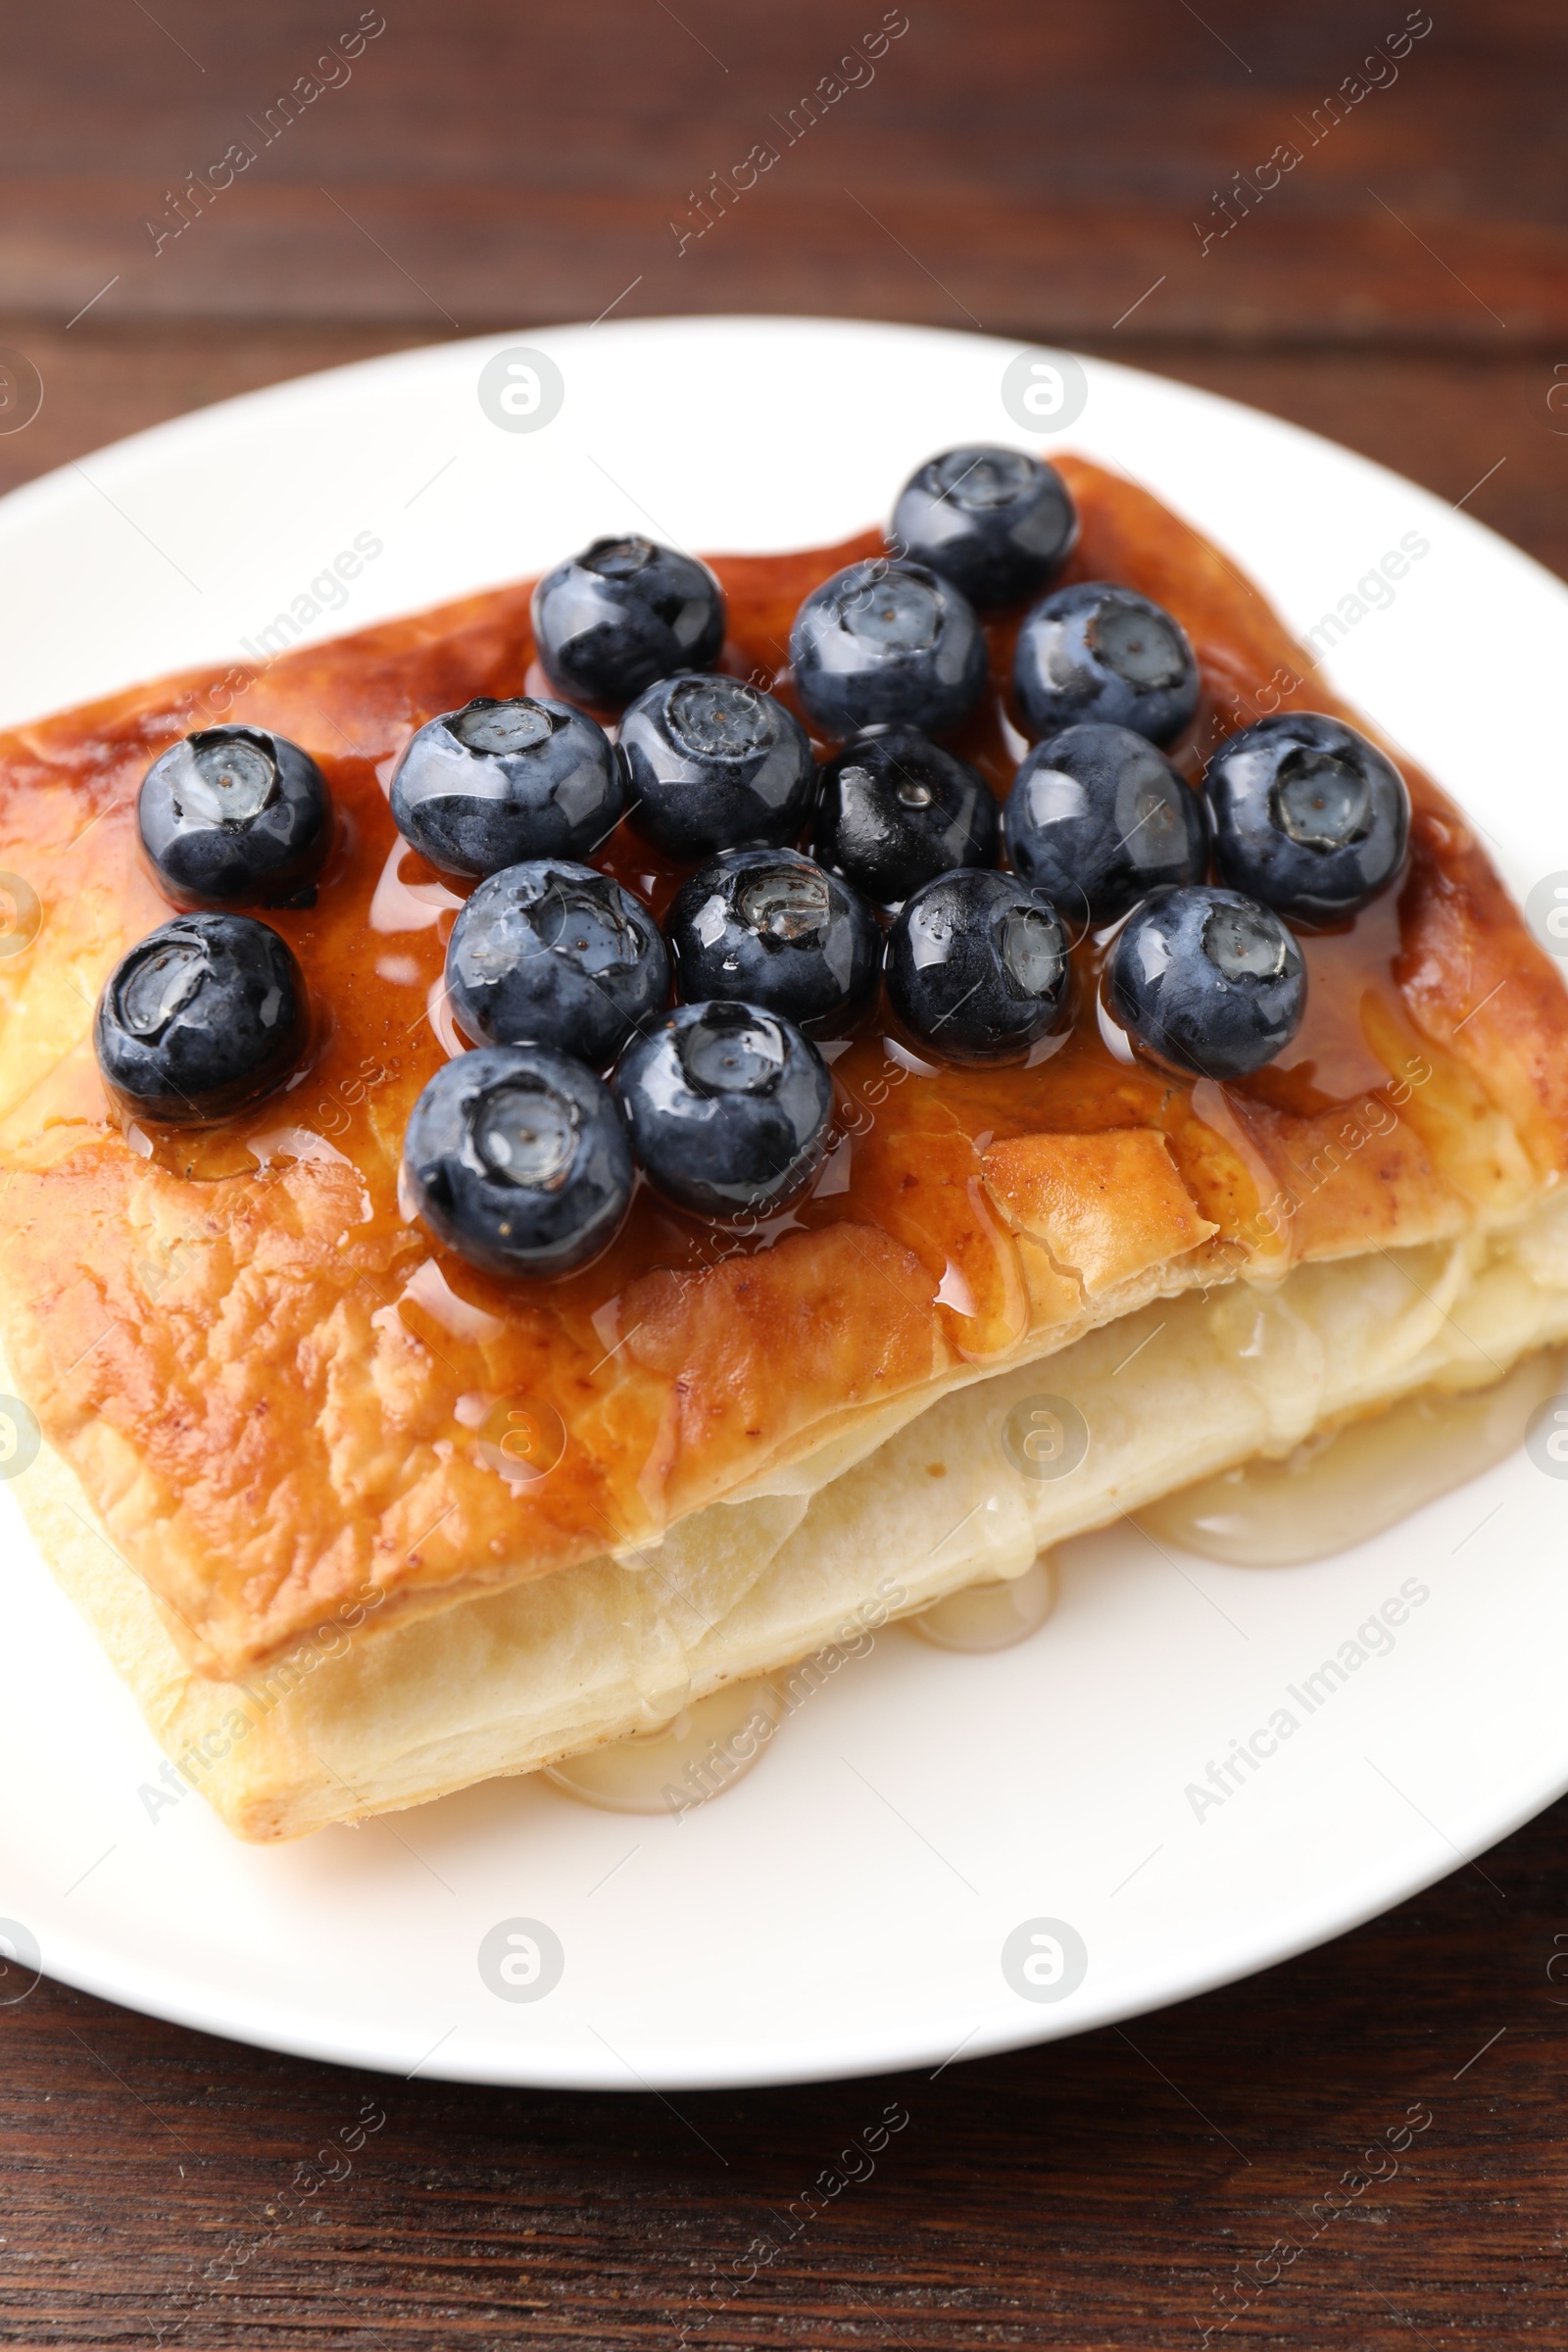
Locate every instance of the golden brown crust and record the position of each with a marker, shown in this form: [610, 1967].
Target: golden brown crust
[848, 1310]
[1467, 971]
[1108, 1205]
[1474, 981]
[279, 1393]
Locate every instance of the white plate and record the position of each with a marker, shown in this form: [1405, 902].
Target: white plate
[843, 1909]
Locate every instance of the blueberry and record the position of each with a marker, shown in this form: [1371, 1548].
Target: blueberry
[896, 810]
[202, 1018]
[623, 613]
[711, 763]
[978, 966]
[1096, 819]
[489, 785]
[234, 816]
[1096, 652]
[995, 522]
[887, 644]
[771, 927]
[1207, 981]
[517, 1159]
[1308, 816]
[550, 953]
[728, 1106]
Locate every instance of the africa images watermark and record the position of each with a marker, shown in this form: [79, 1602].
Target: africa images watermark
[1557, 396]
[859, 2162]
[1232, 205]
[199, 191]
[1267, 2270]
[267, 1690]
[1373, 592]
[328, 592]
[20, 1962]
[20, 390]
[726, 1759]
[1374, 1639]
[1375, 1114]
[227, 2266]
[853, 71]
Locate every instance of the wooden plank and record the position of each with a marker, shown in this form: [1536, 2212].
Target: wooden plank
[475, 258]
[1123, 2191]
[1037, 170]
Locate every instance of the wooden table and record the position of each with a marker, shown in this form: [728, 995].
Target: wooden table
[1045, 170]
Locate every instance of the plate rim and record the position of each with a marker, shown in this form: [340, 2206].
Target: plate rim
[727, 2066]
[90, 1963]
[64, 483]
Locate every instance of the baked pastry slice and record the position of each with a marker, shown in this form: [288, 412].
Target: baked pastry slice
[362, 1525]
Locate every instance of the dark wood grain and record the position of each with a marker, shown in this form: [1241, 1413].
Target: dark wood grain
[1028, 166]
[1035, 168]
[1098, 2193]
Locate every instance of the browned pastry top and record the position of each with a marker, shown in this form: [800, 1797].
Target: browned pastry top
[279, 1392]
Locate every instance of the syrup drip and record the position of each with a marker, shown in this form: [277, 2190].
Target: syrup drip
[1347, 1487]
[399, 907]
[700, 1753]
[992, 1615]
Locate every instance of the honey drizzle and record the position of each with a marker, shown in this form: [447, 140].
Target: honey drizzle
[915, 1138]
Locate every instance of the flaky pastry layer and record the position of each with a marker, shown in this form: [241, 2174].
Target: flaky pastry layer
[348, 1725]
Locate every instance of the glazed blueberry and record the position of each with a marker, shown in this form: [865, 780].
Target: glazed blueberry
[887, 644]
[517, 1159]
[1308, 816]
[995, 522]
[1096, 819]
[728, 1106]
[711, 763]
[623, 613]
[200, 1019]
[1207, 981]
[896, 810]
[771, 927]
[489, 785]
[1102, 654]
[234, 816]
[978, 966]
[550, 953]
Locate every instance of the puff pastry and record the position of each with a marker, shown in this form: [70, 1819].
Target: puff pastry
[361, 1525]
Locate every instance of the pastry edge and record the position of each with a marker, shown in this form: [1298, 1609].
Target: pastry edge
[547, 1669]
